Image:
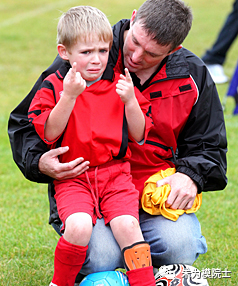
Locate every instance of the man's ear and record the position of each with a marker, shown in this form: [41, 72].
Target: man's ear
[62, 52]
[133, 16]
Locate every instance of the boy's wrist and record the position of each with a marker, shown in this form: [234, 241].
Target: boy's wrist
[131, 102]
[67, 97]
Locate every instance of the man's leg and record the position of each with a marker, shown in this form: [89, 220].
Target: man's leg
[103, 251]
[173, 242]
[167, 239]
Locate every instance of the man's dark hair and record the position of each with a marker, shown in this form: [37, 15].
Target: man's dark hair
[167, 21]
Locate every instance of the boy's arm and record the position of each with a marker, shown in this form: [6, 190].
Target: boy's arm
[134, 115]
[73, 86]
[58, 118]
[135, 120]
[30, 153]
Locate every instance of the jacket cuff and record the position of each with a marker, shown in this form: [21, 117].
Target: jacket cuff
[194, 176]
[33, 173]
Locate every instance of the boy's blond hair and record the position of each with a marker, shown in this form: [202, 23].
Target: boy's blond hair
[83, 23]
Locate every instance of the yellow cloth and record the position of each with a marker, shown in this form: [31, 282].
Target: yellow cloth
[154, 198]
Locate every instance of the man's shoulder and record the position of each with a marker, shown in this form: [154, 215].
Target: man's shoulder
[117, 40]
[118, 26]
[60, 73]
[183, 56]
[184, 63]
[192, 58]
[53, 67]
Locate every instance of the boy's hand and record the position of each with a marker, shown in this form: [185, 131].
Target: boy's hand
[74, 84]
[125, 88]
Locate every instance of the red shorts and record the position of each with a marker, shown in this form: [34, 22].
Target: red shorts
[106, 190]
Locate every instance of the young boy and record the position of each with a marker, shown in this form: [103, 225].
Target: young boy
[93, 110]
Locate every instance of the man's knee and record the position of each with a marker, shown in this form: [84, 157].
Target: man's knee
[173, 242]
[102, 260]
[179, 250]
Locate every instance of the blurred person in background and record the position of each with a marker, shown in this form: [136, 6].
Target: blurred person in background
[215, 57]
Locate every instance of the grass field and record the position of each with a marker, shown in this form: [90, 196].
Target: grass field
[27, 47]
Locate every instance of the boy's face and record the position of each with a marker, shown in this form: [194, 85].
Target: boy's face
[91, 57]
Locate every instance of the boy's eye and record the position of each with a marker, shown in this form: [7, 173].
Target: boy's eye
[103, 51]
[85, 52]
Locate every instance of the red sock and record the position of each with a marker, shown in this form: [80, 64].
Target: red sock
[141, 276]
[69, 259]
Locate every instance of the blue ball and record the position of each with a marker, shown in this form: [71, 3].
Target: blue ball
[105, 278]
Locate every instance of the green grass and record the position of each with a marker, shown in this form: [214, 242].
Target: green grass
[27, 37]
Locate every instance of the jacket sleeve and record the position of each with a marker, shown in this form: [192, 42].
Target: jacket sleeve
[146, 109]
[202, 145]
[26, 145]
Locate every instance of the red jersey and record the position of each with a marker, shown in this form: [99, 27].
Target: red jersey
[97, 127]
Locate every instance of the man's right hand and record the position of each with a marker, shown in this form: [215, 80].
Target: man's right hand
[49, 165]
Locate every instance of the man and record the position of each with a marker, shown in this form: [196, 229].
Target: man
[188, 133]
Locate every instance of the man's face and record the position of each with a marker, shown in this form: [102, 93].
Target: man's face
[141, 52]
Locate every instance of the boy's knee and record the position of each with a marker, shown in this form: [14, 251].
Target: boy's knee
[78, 231]
[127, 224]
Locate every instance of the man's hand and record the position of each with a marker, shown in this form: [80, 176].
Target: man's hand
[49, 165]
[183, 191]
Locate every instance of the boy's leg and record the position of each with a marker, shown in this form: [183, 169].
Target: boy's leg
[76, 211]
[126, 230]
[137, 260]
[135, 251]
[68, 261]
[70, 252]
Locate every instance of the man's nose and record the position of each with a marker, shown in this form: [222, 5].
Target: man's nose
[137, 55]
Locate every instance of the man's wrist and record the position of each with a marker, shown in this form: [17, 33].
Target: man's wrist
[33, 173]
[194, 176]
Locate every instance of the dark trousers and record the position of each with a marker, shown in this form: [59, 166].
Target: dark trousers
[228, 33]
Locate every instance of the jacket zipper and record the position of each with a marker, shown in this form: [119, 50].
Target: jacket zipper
[166, 148]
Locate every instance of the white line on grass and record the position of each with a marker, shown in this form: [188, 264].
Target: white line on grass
[27, 15]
